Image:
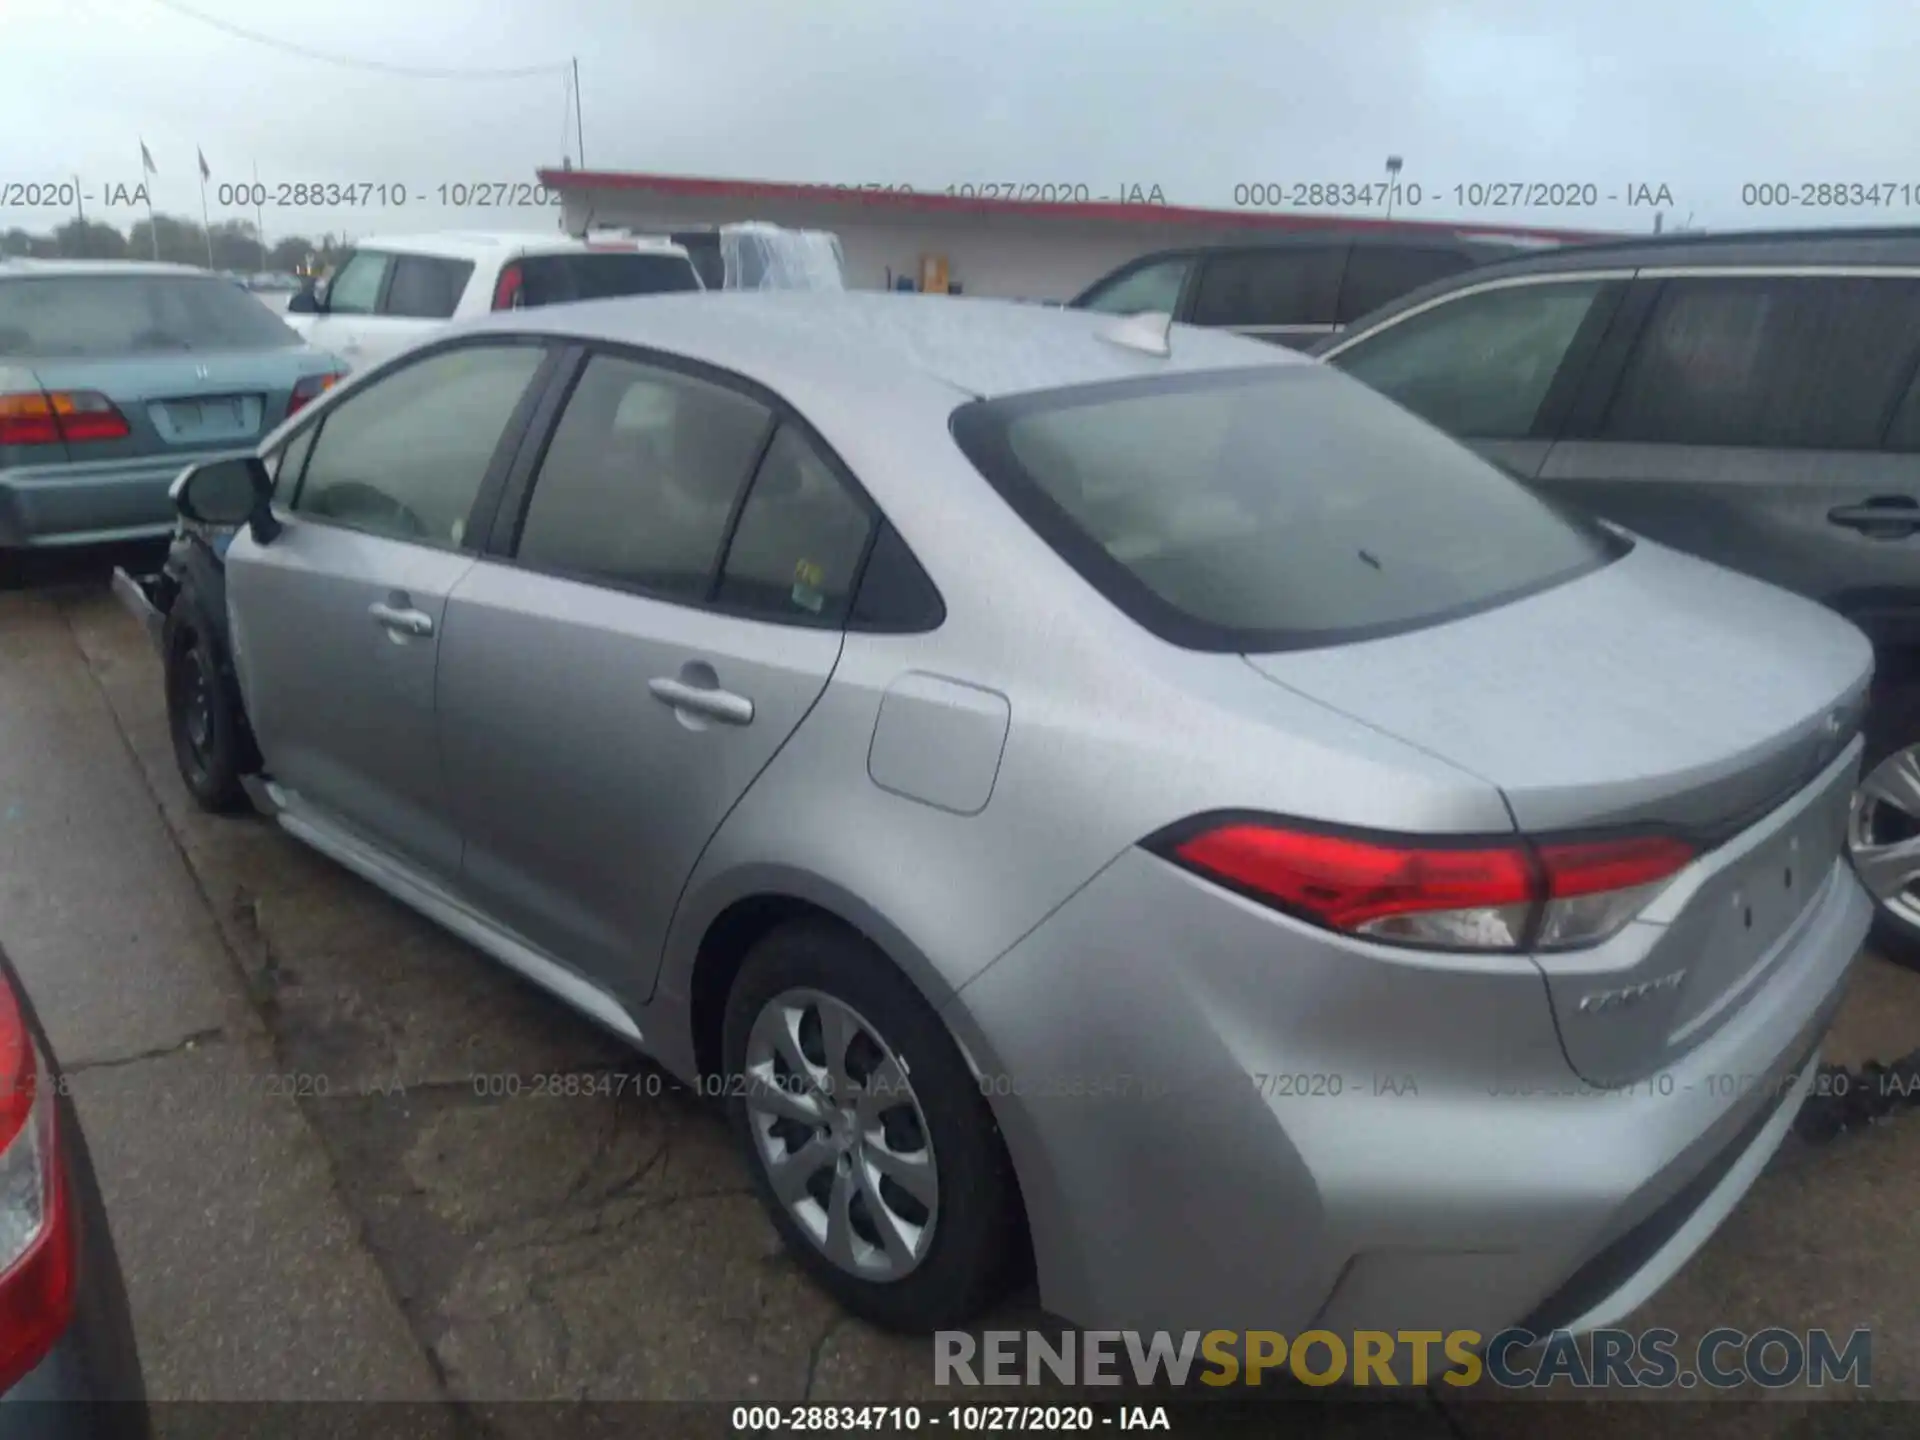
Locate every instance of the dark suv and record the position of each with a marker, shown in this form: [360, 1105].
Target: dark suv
[1293, 290]
[1749, 398]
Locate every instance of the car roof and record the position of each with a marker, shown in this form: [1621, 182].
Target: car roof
[1855, 246]
[1481, 246]
[25, 266]
[491, 244]
[848, 341]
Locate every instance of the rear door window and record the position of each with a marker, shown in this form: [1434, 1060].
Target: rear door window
[1272, 508]
[602, 275]
[797, 546]
[1270, 289]
[1779, 362]
[1480, 365]
[426, 287]
[1377, 274]
[639, 482]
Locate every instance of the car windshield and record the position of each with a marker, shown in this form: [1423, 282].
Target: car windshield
[556, 279]
[44, 317]
[1271, 508]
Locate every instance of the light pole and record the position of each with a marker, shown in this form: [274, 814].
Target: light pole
[1393, 181]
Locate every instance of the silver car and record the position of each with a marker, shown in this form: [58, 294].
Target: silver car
[1132, 802]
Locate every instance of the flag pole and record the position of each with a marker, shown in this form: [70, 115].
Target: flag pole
[146, 169]
[579, 139]
[206, 225]
[259, 214]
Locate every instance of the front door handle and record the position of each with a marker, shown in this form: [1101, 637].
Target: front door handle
[401, 619]
[1890, 517]
[715, 704]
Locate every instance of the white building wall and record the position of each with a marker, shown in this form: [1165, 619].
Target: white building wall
[1024, 257]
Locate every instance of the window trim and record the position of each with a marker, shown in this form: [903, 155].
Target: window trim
[486, 498]
[502, 543]
[980, 430]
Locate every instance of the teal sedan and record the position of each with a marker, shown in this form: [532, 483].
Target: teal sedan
[114, 377]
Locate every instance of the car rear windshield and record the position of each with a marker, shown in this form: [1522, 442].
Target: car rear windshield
[44, 317]
[1272, 508]
[603, 275]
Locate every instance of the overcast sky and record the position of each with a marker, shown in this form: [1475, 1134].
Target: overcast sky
[1196, 96]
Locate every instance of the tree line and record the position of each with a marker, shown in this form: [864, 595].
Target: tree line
[235, 244]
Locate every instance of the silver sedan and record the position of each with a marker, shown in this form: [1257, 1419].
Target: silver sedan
[1126, 801]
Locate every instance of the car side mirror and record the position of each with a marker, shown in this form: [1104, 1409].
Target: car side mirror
[227, 492]
[306, 301]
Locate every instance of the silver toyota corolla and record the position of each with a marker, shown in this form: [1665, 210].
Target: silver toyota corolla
[1134, 800]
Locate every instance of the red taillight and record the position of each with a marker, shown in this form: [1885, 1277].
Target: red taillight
[506, 292]
[37, 417]
[310, 388]
[36, 1221]
[1591, 867]
[1509, 895]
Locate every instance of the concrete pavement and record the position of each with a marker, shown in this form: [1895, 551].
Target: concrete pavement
[334, 1171]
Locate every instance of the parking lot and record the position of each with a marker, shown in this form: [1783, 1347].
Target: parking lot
[302, 1101]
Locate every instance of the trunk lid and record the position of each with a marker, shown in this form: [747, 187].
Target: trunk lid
[1658, 691]
[188, 402]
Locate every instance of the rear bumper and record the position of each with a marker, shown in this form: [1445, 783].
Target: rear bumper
[1362, 1138]
[91, 503]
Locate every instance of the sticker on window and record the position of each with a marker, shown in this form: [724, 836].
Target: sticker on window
[807, 593]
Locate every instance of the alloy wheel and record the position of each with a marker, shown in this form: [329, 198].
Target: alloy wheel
[841, 1135]
[1883, 835]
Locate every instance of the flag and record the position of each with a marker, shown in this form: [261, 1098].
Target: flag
[146, 159]
[205, 173]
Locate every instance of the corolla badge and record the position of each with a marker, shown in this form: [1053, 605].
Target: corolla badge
[1598, 1002]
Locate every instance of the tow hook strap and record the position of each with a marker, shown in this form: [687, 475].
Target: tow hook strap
[1844, 1099]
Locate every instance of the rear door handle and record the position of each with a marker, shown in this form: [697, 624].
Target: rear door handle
[721, 705]
[402, 619]
[1892, 516]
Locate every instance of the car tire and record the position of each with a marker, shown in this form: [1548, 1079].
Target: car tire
[210, 738]
[970, 1242]
[1893, 739]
